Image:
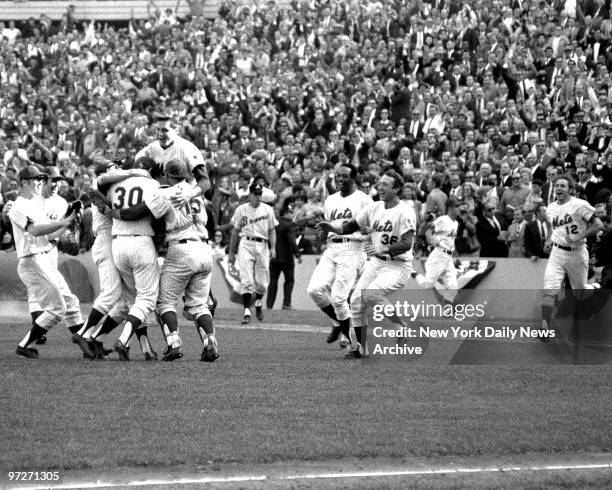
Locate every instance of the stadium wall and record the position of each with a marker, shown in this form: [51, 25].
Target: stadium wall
[509, 275]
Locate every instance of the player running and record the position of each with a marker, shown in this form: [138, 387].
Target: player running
[439, 265]
[254, 222]
[392, 224]
[335, 275]
[572, 221]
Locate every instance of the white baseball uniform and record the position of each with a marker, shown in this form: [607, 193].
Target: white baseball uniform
[381, 277]
[188, 264]
[568, 219]
[178, 149]
[253, 259]
[133, 249]
[439, 265]
[47, 288]
[336, 273]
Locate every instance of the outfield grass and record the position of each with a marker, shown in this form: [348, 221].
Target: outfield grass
[284, 396]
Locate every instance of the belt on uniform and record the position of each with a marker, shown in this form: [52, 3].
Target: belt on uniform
[255, 239]
[188, 240]
[446, 251]
[117, 236]
[338, 239]
[388, 258]
[565, 247]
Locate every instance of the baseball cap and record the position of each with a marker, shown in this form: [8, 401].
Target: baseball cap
[102, 166]
[31, 172]
[53, 174]
[176, 169]
[255, 188]
[162, 116]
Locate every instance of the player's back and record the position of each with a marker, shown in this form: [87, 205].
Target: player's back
[127, 194]
[188, 220]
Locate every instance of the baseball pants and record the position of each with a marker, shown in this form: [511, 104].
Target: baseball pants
[379, 279]
[439, 267]
[253, 263]
[136, 261]
[48, 290]
[33, 305]
[110, 299]
[187, 268]
[335, 275]
[574, 263]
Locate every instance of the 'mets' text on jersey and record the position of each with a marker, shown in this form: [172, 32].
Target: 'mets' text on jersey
[254, 222]
[569, 219]
[388, 225]
[343, 209]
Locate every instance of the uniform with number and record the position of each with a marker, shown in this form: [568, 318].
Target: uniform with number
[336, 273]
[568, 219]
[178, 149]
[133, 249]
[381, 277]
[439, 265]
[188, 265]
[47, 288]
[253, 260]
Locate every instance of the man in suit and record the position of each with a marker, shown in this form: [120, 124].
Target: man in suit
[490, 233]
[286, 251]
[548, 193]
[537, 233]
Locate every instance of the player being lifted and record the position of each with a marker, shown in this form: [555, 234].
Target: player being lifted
[572, 221]
[335, 275]
[439, 265]
[392, 224]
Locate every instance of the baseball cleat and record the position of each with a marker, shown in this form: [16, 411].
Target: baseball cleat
[88, 353]
[27, 352]
[544, 338]
[41, 341]
[150, 356]
[334, 335]
[246, 320]
[209, 354]
[172, 353]
[121, 350]
[353, 353]
[344, 341]
[259, 313]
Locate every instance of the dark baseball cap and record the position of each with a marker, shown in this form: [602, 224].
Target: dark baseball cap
[31, 172]
[102, 166]
[255, 188]
[53, 174]
[177, 169]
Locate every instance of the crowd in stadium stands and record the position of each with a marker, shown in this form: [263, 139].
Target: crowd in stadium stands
[483, 100]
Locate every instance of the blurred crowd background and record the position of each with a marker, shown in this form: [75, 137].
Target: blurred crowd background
[485, 101]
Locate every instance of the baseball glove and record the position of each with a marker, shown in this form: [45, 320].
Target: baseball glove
[68, 242]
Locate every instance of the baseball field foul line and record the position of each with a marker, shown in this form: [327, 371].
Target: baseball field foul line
[315, 476]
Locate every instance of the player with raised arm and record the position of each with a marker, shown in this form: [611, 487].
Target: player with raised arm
[572, 220]
[254, 225]
[391, 223]
[337, 271]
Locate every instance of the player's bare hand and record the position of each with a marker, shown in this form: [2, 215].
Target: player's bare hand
[178, 200]
[534, 258]
[272, 253]
[299, 260]
[68, 219]
[369, 249]
[327, 226]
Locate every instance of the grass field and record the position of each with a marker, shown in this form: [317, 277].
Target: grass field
[285, 399]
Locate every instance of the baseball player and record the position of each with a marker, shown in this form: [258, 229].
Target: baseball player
[392, 224]
[170, 146]
[439, 265]
[55, 208]
[109, 306]
[254, 222]
[572, 221]
[46, 287]
[134, 253]
[188, 264]
[335, 275]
